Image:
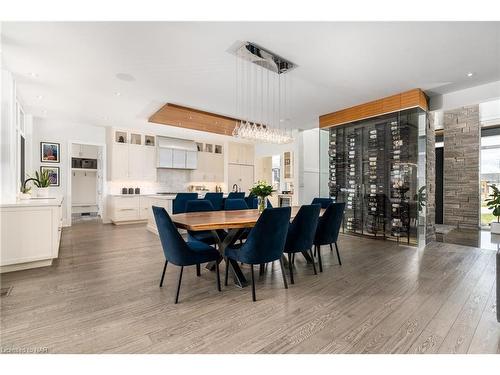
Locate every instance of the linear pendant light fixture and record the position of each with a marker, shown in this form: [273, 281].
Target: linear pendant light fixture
[262, 94]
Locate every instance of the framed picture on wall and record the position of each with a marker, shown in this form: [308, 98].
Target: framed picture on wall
[49, 152]
[53, 174]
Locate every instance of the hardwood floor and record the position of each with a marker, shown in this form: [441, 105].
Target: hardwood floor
[102, 296]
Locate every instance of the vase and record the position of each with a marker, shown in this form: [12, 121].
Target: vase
[261, 204]
[42, 192]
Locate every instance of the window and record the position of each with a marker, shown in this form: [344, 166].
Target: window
[490, 172]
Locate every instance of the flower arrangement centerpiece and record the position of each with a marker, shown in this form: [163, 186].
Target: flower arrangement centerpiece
[261, 190]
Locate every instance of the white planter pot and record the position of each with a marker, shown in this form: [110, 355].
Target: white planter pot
[24, 196]
[495, 228]
[42, 192]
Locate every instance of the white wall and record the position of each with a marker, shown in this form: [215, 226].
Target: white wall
[8, 173]
[62, 133]
[470, 96]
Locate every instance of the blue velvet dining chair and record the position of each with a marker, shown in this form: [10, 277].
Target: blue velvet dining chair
[252, 202]
[324, 202]
[179, 203]
[235, 204]
[179, 252]
[301, 234]
[265, 242]
[215, 199]
[328, 229]
[236, 195]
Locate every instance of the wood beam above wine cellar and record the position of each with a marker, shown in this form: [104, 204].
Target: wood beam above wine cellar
[405, 100]
[190, 118]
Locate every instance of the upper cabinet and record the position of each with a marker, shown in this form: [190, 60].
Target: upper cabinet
[241, 153]
[84, 151]
[131, 156]
[210, 168]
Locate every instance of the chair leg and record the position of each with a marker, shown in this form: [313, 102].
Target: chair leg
[227, 272]
[163, 274]
[313, 262]
[331, 248]
[314, 251]
[218, 275]
[293, 259]
[338, 254]
[198, 270]
[290, 267]
[179, 285]
[261, 269]
[318, 247]
[283, 273]
[253, 283]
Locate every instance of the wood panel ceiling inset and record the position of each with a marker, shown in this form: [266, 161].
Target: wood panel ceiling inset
[190, 118]
[409, 99]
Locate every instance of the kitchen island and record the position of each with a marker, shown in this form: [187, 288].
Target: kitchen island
[31, 233]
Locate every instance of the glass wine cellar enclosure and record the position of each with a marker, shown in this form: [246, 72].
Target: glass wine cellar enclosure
[377, 167]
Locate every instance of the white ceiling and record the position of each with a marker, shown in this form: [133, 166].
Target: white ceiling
[340, 64]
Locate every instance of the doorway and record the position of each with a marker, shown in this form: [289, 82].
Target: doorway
[86, 182]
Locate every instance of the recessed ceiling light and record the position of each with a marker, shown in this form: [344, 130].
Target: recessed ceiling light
[470, 74]
[39, 97]
[125, 77]
[44, 111]
[118, 93]
[31, 74]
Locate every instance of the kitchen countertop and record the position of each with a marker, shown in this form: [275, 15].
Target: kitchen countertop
[34, 202]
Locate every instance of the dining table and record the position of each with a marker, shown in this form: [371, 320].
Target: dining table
[233, 223]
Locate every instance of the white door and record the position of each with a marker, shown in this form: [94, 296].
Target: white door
[179, 159]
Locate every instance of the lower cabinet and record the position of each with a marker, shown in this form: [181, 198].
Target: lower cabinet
[30, 235]
[129, 209]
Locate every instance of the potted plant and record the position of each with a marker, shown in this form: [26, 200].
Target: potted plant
[41, 181]
[493, 203]
[25, 192]
[261, 190]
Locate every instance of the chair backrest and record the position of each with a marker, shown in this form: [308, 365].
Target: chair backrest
[235, 204]
[303, 229]
[199, 205]
[252, 202]
[216, 199]
[236, 195]
[174, 247]
[329, 224]
[179, 203]
[266, 240]
[324, 202]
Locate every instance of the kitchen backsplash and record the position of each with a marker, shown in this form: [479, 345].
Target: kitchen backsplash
[169, 180]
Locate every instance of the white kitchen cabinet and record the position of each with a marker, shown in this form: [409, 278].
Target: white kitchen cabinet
[179, 159]
[129, 161]
[241, 153]
[125, 209]
[136, 162]
[149, 163]
[166, 157]
[84, 151]
[144, 207]
[119, 161]
[159, 201]
[31, 233]
[210, 168]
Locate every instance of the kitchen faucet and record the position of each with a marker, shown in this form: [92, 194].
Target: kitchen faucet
[236, 188]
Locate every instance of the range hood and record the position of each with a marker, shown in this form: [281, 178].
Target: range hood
[175, 153]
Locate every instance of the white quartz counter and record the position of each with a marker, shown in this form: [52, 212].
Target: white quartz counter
[34, 202]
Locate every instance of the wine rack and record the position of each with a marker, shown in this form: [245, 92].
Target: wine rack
[372, 168]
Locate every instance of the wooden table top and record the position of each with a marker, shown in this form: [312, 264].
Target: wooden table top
[210, 220]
